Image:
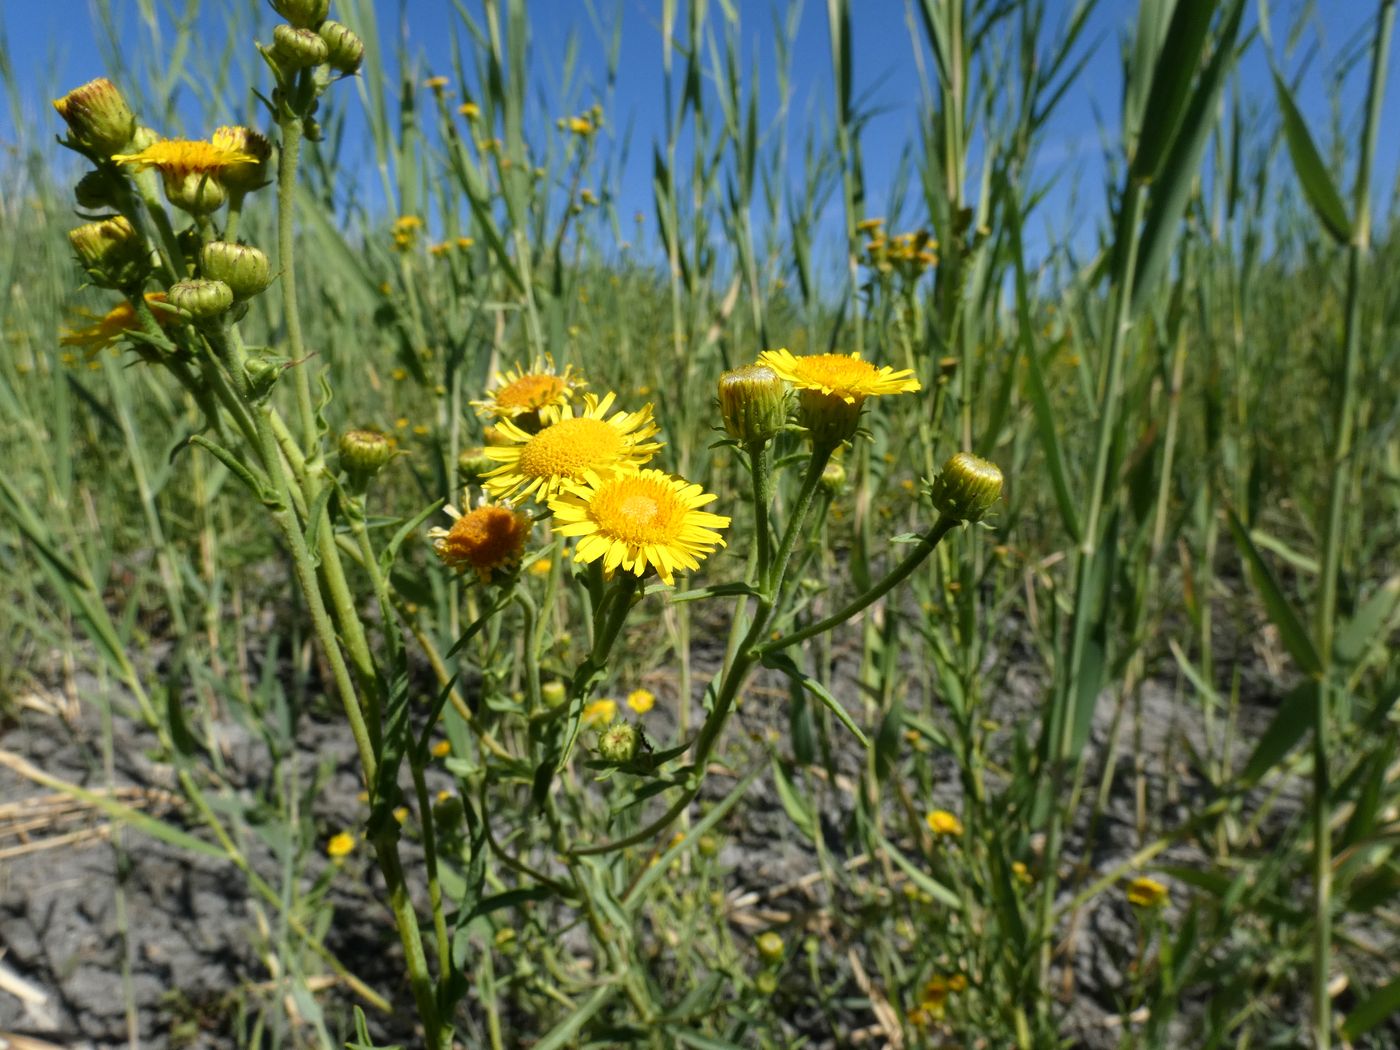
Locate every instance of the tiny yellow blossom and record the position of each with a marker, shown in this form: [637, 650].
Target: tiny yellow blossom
[641, 700]
[1144, 892]
[340, 846]
[401, 814]
[941, 822]
[442, 749]
[470, 110]
[599, 713]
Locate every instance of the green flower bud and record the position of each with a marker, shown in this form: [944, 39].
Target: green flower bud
[967, 487]
[111, 252]
[553, 693]
[473, 464]
[95, 191]
[766, 983]
[344, 49]
[447, 814]
[243, 268]
[770, 946]
[708, 846]
[263, 373]
[203, 300]
[295, 48]
[98, 118]
[829, 417]
[753, 402]
[618, 743]
[195, 192]
[363, 453]
[304, 14]
[833, 479]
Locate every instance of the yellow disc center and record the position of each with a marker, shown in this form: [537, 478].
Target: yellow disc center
[637, 511]
[569, 447]
[530, 392]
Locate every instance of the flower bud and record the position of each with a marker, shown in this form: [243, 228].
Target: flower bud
[295, 48]
[363, 453]
[447, 814]
[240, 266]
[95, 191]
[203, 300]
[304, 14]
[111, 252]
[967, 487]
[344, 48]
[770, 946]
[246, 175]
[263, 373]
[829, 418]
[766, 983]
[98, 117]
[753, 402]
[618, 743]
[553, 693]
[833, 479]
[196, 192]
[473, 465]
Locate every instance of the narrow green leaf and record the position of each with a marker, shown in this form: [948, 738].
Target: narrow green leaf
[1374, 1009]
[1312, 173]
[1290, 626]
[1293, 718]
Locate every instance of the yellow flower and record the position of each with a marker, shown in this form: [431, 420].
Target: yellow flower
[845, 376]
[470, 110]
[869, 225]
[401, 814]
[641, 700]
[941, 822]
[575, 442]
[238, 139]
[488, 539]
[465, 242]
[442, 749]
[581, 126]
[518, 391]
[340, 845]
[1021, 873]
[1144, 892]
[639, 520]
[599, 713]
[435, 83]
[192, 170]
[108, 329]
[540, 567]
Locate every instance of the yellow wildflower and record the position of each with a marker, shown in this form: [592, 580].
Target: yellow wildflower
[600, 713]
[340, 845]
[941, 822]
[641, 700]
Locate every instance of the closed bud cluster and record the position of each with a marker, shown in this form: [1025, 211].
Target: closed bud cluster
[295, 48]
[618, 743]
[344, 48]
[111, 252]
[98, 117]
[753, 402]
[304, 14]
[363, 453]
[967, 487]
[242, 267]
[203, 300]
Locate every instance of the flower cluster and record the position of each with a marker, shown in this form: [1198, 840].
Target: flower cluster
[908, 254]
[584, 462]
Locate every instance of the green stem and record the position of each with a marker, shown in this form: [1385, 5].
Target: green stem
[892, 579]
[286, 192]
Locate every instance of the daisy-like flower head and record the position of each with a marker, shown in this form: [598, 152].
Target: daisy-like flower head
[639, 521]
[831, 389]
[488, 539]
[192, 169]
[1146, 892]
[520, 394]
[109, 329]
[575, 441]
[941, 822]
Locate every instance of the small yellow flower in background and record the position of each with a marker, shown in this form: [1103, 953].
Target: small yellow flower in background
[401, 423]
[435, 83]
[108, 329]
[941, 822]
[639, 521]
[398, 375]
[576, 441]
[1144, 892]
[488, 539]
[869, 226]
[340, 846]
[600, 713]
[581, 126]
[442, 749]
[405, 231]
[401, 814]
[519, 391]
[439, 251]
[470, 110]
[1021, 873]
[465, 242]
[641, 700]
[442, 796]
[957, 983]
[422, 430]
[362, 796]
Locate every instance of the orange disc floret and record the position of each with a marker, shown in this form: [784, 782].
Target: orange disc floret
[488, 539]
[519, 391]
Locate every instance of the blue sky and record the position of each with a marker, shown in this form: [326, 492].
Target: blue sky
[58, 43]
